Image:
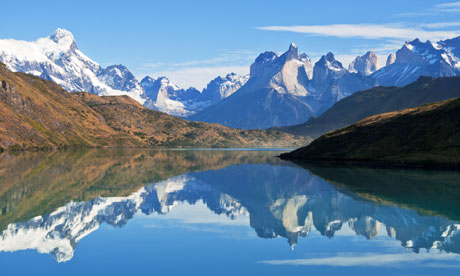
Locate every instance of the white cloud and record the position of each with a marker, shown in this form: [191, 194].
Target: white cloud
[441, 25]
[153, 65]
[453, 7]
[448, 7]
[346, 260]
[198, 73]
[367, 31]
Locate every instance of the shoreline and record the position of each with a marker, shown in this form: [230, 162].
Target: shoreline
[52, 149]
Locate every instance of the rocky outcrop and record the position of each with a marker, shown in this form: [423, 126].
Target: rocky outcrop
[365, 64]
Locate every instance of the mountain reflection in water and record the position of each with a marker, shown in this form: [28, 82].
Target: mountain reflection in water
[50, 201]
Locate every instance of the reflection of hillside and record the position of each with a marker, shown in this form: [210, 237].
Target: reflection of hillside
[290, 202]
[37, 183]
[430, 192]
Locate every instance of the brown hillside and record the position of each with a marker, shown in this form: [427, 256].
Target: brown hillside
[38, 114]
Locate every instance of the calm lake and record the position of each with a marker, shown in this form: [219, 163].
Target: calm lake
[221, 212]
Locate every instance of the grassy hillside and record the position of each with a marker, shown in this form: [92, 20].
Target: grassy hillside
[427, 136]
[39, 114]
[376, 101]
[157, 129]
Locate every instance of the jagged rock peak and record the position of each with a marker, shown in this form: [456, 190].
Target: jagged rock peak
[391, 59]
[147, 79]
[329, 61]
[163, 79]
[118, 68]
[365, 64]
[292, 53]
[267, 56]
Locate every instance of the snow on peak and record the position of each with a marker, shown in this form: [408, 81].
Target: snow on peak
[408, 45]
[61, 34]
[166, 97]
[288, 73]
[266, 57]
[63, 39]
[422, 53]
[147, 79]
[164, 80]
[57, 58]
[330, 62]
[416, 58]
[222, 87]
[268, 63]
[292, 53]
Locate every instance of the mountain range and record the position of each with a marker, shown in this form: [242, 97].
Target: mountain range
[39, 114]
[287, 89]
[282, 89]
[57, 58]
[378, 100]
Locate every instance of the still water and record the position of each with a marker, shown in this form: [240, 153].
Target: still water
[148, 212]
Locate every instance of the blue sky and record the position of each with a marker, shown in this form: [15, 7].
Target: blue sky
[192, 42]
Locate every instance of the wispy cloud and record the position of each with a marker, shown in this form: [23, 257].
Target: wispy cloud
[453, 7]
[375, 260]
[366, 31]
[196, 76]
[227, 56]
[153, 65]
[199, 72]
[448, 7]
[441, 25]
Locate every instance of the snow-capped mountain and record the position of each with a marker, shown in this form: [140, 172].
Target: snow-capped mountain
[220, 88]
[280, 90]
[166, 97]
[451, 46]
[119, 77]
[327, 69]
[57, 58]
[286, 74]
[332, 82]
[273, 95]
[365, 64]
[417, 58]
[285, 89]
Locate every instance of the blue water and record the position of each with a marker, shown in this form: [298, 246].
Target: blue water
[251, 215]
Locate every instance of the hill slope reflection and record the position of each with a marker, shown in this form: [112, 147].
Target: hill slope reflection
[280, 199]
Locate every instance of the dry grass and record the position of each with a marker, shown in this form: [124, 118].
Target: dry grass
[39, 114]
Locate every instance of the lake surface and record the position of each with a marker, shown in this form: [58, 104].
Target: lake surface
[195, 212]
